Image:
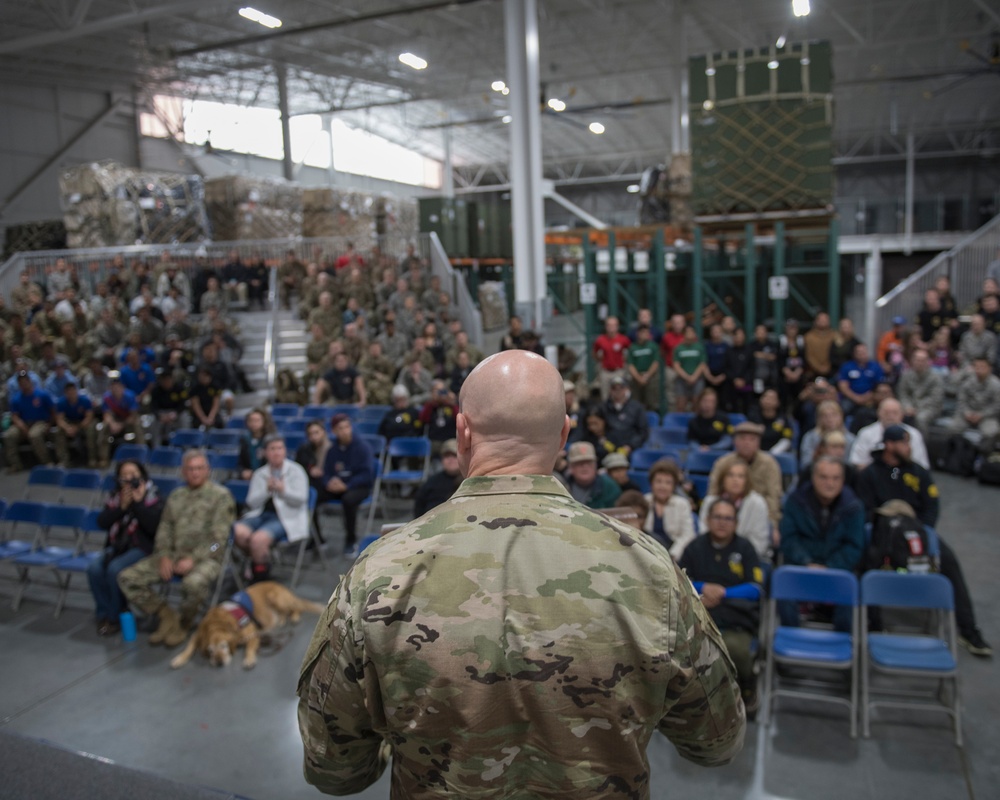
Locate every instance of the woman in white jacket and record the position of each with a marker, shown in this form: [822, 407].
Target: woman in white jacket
[669, 520]
[752, 521]
[278, 508]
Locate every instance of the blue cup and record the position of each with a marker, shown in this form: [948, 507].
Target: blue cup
[128, 626]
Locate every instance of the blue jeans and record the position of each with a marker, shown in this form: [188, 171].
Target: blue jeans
[103, 577]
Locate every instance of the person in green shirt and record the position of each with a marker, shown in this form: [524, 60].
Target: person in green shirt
[690, 364]
[643, 364]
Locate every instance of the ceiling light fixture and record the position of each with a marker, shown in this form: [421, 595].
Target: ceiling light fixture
[506, 119]
[260, 17]
[632, 188]
[800, 8]
[781, 42]
[710, 71]
[772, 64]
[708, 105]
[505, 91]
[556, 104]
[804, 61]
[498, 86]
[413, 61]
[596, 128]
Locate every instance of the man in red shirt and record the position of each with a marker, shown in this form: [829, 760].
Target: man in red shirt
[674, 336]
[609, 350]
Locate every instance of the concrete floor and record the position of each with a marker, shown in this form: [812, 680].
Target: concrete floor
[236, 730]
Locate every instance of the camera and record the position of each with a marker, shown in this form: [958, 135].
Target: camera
[135, 483]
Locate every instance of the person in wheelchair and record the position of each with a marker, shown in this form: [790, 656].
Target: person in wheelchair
[726, 572]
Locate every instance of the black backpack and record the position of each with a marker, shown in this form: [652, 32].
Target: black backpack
[961, 457]
[899, 543]
[989, 472]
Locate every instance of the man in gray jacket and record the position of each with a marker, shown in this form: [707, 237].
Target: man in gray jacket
[979, 402]
[977, 342]
[921, 391]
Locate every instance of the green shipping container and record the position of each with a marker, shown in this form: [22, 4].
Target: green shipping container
[449, 219]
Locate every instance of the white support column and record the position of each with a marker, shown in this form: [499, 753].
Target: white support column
[527, 206]
[873, 290]
[447, 173]
[331, 172]
[288, 168]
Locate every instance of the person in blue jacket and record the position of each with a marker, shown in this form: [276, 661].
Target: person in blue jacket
[347, 475]
[823, 527]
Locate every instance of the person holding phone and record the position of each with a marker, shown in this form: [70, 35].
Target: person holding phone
[130, 516]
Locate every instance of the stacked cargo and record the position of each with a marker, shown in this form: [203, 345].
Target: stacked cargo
[338, 212]
[397, 222]
[245, 207]
[109, 204]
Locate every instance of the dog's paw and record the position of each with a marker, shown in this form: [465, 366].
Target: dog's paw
[177, 662]
[249, 664]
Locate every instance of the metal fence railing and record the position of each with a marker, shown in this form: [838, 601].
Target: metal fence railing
[965, 264]
[454, 282]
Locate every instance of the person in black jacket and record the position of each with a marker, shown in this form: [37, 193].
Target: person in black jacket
[709, 427]
[892, 475]
[627, 423]
[739, 369]
[442, 484]
[131, 517]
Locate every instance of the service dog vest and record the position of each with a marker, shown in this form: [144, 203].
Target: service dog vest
[240, 608]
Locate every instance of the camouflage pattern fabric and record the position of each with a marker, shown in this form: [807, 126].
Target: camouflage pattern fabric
[513, 643]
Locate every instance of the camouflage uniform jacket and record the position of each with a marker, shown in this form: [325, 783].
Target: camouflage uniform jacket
[195, 523]
[513, 643]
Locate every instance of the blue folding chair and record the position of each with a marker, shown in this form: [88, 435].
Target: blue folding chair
[282, 410]
[166, 459]
[700, 483]
[345, 408]
[47, 556]
[47, 477]
[187, 437]
[109, 483]
[375, 443]
[87, 481]
[700, 462]
[643, 458]
[131, 452]
[820, 649]
[788, 464]
[22, 512]
[165, 485]
[910, 656]
[367, 428]
[316, 412]
[641, 479]
[293, 441]
[373, 413]
[677, 419]
[78, 563]
[667, 437]
[653, 419]
[223, 462]
[236, 424]
[219, 438]
[291, 425]
[238, 489]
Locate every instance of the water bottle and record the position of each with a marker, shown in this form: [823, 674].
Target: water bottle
[128, 626]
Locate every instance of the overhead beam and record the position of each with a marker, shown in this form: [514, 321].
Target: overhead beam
[26, 184]
[325, 25]
[990, 12]
[23, 43]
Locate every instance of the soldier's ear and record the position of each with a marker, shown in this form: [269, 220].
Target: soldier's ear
[463, 434]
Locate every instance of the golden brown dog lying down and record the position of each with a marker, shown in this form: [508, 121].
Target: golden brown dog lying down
[223, 628]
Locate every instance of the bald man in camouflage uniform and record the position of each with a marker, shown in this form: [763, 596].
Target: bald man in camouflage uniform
[190, 543]
[512, 642]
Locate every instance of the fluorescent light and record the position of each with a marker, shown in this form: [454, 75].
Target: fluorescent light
[800, 8]
[498, 86]
[710, 71]
[804, 61]
[708, 105]
[556, 104]
[260, 17]
[506, 119]
[411, 60]
[772, 64]
[632, 188]
[781, 42]
[505, 91]
[596, 127]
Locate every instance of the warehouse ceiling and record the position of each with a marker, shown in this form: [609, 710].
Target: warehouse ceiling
[927, 67]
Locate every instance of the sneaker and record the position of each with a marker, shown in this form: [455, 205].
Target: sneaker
[974, 642]
[351, 552]
[751, 701]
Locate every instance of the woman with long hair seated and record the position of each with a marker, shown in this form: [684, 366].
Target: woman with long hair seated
[829, 418]
[752, 521]
[709, 427]
[669, 520]
[131, 516]
[258, 425]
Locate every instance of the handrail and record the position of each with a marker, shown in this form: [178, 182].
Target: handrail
[454, 281]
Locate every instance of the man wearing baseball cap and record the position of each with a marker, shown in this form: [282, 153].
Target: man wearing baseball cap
[765, 474]
[894, 475]
[585, 484]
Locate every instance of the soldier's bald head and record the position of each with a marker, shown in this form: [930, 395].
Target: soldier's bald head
[514, 412]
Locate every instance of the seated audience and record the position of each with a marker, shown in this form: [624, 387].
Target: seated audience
[709, 427]
[765, 474]
[121, 418]
[131, 516]
[76, 426]
[440, 486]
[616, 467]
[584, 482]
[594, 431]
[978, 405]
[857, 378]
[403, 419]
[778, 431]
[277, 507]
[895, 475]
[627, 423]
[921, 391]
[259, 426]
[725, 570]
[348, 475]
[342, 383]
[823, 527]
[829, 417]
[311, 454]
[438, 416]
[977, 342]
[634, 501]
[890, 412]
[670, 519]
[31, 414]
[752, 523]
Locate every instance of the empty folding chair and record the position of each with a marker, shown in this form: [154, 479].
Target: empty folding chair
[81, 484]
[802, 647]
[43, 480]
[165, 484]
[375, 443]
[396, 472]
[668, 437]
[677, 419]
[187, 437]
[238, 489]
[316, 412]
[352, 411]
[789, 466]
[653, 419]
[226, 463]
[90, 549]
[910, 657]
[109, 484]
[222, 439]
[373, 413]
[640, 478]
[165, 459]
[131, 452]
[52, 518]
[280, 410]
[22, 516]
[293, 441]
[700, 483]
[643, 458]
[367, 427]
[701, 462]
[235, 424]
